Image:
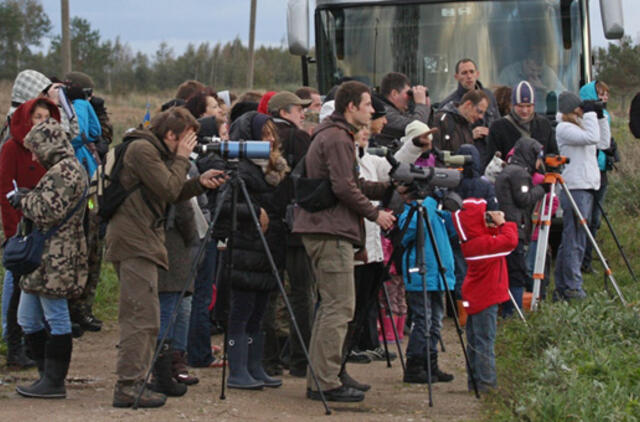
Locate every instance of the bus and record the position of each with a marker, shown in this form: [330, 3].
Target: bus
[547, 42]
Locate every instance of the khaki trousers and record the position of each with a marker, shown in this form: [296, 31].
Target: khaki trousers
[332, 261]
[138, 317]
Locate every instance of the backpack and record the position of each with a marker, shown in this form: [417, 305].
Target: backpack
[111, 193]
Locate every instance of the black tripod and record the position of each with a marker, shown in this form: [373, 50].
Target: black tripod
[615, 239]
[421, 268]
[233, 186]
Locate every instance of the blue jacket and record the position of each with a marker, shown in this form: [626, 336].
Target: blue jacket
[89, 127]
[589, 92]
[443, 229]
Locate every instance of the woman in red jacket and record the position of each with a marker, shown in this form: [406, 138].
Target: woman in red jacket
[486, 239]
[17, 165]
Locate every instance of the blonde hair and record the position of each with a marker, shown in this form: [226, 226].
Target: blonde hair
[601, 87]
[571, 118]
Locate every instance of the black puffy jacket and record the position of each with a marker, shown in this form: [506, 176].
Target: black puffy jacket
[251, 269]
[515, 192]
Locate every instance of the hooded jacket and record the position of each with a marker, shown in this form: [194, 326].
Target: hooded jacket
[90, 131]
[133, 231]
[514, 189]
[251, 269]
[332, 156]
[16, 163]
[473, 184]
[442, 230]
[63, 273]
[484, 250]
[589, 92]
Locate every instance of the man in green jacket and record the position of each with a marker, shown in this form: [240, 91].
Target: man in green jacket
[158, 163]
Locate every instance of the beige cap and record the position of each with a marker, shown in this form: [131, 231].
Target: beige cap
[285, 98]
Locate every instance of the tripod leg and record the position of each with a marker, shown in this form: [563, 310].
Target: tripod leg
[583, 223]
[395, 329]
[276, 274]
[384, 334]
[615, 238]
[517, 308]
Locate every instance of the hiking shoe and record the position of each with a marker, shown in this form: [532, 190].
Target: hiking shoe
[340, 394]
[358, 357]
[125, 393]
[378, 354]
[347, 381]
[574, 294]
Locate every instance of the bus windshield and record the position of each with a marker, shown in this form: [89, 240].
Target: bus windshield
[510, 40]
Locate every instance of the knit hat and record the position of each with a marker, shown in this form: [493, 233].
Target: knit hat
[263, 105]
[79, 79]
[378, 107]
[285, 98]
[567, 102]
[257, 123]
[240, 108]
[522, 93]
[415, 129]
[28, 84]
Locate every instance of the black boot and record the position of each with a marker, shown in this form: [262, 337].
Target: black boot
[347, 381]
[36, 344]
[238, 355]
[415, 372]
[254, 361]
[436, 373]
[56, 366]
[163, 381]
[16, 357]
[82, 316]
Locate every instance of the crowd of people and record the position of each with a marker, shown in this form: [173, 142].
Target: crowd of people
[333, 240]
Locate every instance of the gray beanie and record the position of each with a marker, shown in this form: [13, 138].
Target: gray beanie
[567, 102]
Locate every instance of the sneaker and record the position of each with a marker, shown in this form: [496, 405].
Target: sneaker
[358, 357]
[125, 393]
[378, 354]
[340, 394]
[574, 294]
[347, 381]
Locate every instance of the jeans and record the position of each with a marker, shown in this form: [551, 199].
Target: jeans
[460, 267]
[417, 347]
[481, 337]
[507, 307]
[574, 239]
[199, 339]
[34, 310]
[179, 330]
[7, 291]
[594, 221]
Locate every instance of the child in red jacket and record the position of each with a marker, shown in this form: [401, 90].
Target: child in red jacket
[486, 239]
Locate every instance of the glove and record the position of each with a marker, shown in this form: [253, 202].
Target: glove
[599, 111]
[15, 199]
[588, 106]
[547, 187]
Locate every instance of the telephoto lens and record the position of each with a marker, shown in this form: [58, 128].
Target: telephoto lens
[234, 149]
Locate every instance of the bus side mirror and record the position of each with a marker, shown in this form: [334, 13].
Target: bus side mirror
[298, 27]
[612, 19]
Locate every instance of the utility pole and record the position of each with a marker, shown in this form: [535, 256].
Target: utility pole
[252, 36]
[66, 38]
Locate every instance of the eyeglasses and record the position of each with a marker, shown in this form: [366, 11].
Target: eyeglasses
[480, 111]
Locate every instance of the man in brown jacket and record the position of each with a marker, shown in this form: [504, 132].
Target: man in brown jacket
[155, 168]
[331, 235]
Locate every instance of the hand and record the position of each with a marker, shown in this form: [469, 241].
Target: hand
[420, 95]
[385, 219]
[264, 220]
[15, 199]
[213, 179]
[480, 132]
[497, 217]
[186, 143]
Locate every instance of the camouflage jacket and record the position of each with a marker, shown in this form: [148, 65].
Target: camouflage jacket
[63, 272]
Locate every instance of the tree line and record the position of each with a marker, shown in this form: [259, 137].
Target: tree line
[116, 68]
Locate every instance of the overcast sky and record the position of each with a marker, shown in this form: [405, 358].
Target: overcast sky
[144, 24]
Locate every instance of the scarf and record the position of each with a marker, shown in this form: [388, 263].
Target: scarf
[523, 123]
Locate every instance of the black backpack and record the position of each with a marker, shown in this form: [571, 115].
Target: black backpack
[111, 193]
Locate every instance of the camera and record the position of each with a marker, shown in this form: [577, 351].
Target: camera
[232, 149]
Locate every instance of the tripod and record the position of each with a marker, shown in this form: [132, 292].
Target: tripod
[555, 179]
[234, 185]
[615, 239]
[421, 268]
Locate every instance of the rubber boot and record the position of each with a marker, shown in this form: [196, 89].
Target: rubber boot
[388, 329]
[36, 344]
[415, 372]
[16, 357]
[254, 363]
[239, 376]
[400, 321]
[56, 366]
[163, 381]
[438, 375]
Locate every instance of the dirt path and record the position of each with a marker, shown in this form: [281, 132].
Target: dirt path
[91, 378]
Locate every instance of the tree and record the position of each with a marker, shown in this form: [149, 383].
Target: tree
[23, 24]
[618, 66]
